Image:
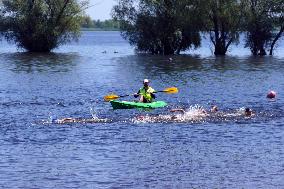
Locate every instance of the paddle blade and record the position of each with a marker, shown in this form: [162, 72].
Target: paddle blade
[111, 97]
[171, 90]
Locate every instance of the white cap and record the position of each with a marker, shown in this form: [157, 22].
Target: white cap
[146, 81]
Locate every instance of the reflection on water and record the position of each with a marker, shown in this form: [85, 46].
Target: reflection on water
[39, 62]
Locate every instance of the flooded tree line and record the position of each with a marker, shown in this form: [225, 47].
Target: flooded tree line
[152, 26]
[171, 26]
[41, 25]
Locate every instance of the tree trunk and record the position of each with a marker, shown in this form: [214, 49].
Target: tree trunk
[219, 49]
[262, 52]
[275, 40]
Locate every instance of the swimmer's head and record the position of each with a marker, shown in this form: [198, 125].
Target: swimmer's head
[214, 109]
[248, 112]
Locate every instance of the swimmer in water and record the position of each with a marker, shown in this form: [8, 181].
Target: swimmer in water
[158, 118]
[178, 110]
[214, 109]
[77, 120]
[248, 112]
[179, 116]
[201, 110]
[199, 114]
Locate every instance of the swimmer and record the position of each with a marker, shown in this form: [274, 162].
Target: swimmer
[200, 110]
[214, 109]
[178, 110]
[77, 120]
[248, 112]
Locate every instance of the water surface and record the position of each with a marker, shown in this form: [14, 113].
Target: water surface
[223, 151]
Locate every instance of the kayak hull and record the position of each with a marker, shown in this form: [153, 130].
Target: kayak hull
[116, 104]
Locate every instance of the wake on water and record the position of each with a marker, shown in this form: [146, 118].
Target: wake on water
[193, 114]
[95, 119]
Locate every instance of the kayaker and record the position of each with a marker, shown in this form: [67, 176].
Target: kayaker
[146, 92]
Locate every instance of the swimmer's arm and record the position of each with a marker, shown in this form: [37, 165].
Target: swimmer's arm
[65, 120]
[177, 110]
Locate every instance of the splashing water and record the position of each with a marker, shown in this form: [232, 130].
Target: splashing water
[50, 119]
[192, 114]
[94, 113]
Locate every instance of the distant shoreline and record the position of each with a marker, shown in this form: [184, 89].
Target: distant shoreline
[99, 29]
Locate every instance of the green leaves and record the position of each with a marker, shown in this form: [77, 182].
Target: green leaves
[158, 26]
[263, 22]
[42, 25]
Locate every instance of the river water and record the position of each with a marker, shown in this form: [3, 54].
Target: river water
[139, 148]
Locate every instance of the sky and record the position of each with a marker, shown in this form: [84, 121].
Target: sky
[100, 9]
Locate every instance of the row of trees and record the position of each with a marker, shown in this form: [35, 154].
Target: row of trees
[98, 24]
[41, 25]
[172, 26]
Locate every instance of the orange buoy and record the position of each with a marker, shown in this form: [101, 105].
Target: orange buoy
[271, 94]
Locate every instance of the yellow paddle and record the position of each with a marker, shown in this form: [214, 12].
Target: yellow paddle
[170, 90]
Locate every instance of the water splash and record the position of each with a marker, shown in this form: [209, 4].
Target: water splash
[94, 113]
[51, 118]
[194, 113]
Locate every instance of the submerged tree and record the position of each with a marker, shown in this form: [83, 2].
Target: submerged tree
[158, 26]
[42, 25]
[258, 26]
[222, 19]
[264, 24]
[277, 16]
[2, 20]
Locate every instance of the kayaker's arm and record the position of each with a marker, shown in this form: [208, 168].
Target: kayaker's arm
[153, 95]
[137, 94]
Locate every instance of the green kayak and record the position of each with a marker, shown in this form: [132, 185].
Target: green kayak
[116, 104]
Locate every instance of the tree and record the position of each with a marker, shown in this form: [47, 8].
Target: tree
[277, 16]
[258, 26]
[87, 22]
[2, 20]
[157, 26]
[222, 19]
[42, 25]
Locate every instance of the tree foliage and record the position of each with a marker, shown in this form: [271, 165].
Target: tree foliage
[87, 22]
[158, 26]
[170, 26]
[106, 24]
[264, 24]
[276, 14]
[258, 26]
[222, 19]
[42, 25]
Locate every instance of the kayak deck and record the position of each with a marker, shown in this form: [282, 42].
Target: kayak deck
[116, 104]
